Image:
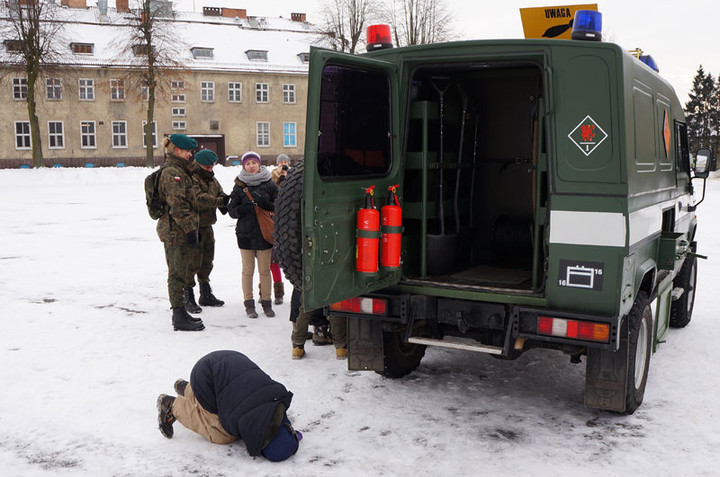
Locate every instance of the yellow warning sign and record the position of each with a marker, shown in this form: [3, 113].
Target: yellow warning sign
[551, 22]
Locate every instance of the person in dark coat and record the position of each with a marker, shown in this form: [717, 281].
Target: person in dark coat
[228, 398]
[254, 179]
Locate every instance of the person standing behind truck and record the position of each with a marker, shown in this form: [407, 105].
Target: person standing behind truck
[210, 197]
[178, 228]
[278, 176]
[253, 180]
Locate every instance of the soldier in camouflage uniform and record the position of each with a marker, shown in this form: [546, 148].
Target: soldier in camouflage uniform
[178, 228]
[210, 197]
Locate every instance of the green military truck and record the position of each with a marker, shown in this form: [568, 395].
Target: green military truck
[547, 199]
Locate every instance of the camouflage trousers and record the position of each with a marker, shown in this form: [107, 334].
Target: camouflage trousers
[179, 262]
[203, 256]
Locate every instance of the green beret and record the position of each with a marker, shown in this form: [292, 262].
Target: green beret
[183, 142]
[206, 157]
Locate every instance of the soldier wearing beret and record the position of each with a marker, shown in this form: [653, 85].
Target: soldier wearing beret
[178, 229]
[210, 197]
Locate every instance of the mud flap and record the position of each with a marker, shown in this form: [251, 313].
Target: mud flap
[365, 345]
[606, 375]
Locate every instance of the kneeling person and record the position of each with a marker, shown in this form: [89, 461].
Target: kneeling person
[228, 398]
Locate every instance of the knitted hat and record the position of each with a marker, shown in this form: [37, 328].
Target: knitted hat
[206, 157]
[250, 156]
[183, 142]
[284, 444]
[282, 158]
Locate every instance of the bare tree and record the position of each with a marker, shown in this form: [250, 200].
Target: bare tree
[418, 22]
[154, 55]
[31, 33]
[345, 21]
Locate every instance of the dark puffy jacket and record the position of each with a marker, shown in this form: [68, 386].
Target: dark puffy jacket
[229, 384]
[247, 229]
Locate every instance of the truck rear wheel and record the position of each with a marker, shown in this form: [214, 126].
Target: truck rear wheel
[682, 308]
[400, 358]
[288, 239]
[640, 346]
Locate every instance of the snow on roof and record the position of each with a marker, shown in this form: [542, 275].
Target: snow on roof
[229, 38]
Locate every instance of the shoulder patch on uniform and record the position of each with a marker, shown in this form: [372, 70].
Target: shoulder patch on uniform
[177, 178]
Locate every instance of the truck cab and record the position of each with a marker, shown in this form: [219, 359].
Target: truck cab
[547, 202]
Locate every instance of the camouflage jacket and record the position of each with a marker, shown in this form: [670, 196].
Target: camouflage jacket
[177, 189]
[209, 193]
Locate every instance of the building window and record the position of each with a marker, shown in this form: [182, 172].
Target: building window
[179, 125]
[289, 93]
[82, 48]
[207, 91]
[178, 111]
[304, 58]
[202, 53]
[20, 89]
[235, 92]
[263, 134]
[13, 46]
[22, 135]
[177, 85]
[153, 132]
[54, 89]
[86, 89]
[257, 55]
[262, 93]
[289, 135]
[119, 134]
[56, 135]
[117, 90]
[87, 135]
[177, 98]
[144, 93]
[140, 50]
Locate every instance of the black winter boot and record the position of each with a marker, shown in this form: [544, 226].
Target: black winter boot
[189, 297]
[267, 308]
[182, 321]
[250, 308]
[166, 418]
[180, 386]
[279, 289]
[206, 296]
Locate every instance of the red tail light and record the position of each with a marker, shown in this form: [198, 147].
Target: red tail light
[574, 329]
[368, 306]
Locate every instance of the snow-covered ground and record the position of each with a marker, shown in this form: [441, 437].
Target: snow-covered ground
[86, 345]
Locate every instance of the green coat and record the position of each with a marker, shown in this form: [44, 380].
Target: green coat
[177, 189]
[209, 193]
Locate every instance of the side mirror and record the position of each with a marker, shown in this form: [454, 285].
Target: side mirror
[701, 166]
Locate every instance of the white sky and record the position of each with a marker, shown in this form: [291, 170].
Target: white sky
[680, 35]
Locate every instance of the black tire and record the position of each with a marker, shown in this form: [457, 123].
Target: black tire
[682, 308]
[288, 237]
[400, 358]
[639, 351]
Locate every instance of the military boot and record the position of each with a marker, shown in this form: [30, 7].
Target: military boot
[189, 297]
[279, 289]
[206, 296]
[250, 308]
[267, 308]
[182, 321]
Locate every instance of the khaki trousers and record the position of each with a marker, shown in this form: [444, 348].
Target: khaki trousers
[248, 270]
[191, 414]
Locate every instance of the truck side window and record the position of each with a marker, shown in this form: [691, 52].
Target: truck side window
[354, 129]
[682, 153]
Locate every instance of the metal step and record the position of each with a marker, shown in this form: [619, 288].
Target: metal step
[457, 343]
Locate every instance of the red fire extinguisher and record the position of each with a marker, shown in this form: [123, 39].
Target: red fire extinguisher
[391, 219]
[368, 235]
